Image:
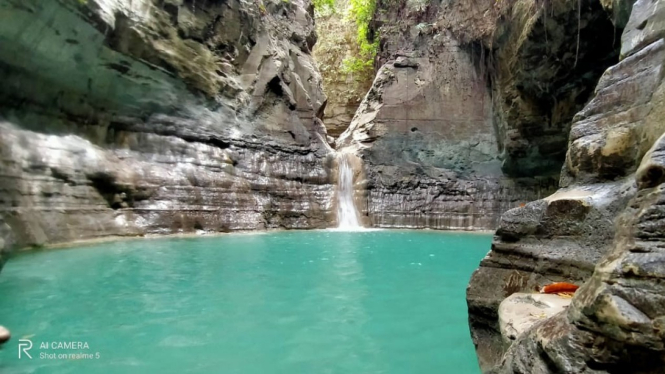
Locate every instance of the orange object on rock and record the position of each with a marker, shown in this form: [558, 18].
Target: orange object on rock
[559, 287]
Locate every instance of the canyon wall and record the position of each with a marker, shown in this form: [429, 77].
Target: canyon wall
[603, 230]
[159, 116]
[470, 111]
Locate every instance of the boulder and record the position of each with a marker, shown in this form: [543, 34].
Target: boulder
[520, 311]
[5, 335]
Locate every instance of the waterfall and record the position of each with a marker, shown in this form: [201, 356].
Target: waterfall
[346, 210]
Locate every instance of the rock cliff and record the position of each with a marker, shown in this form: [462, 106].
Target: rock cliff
[613, 168]
[470, 111]
[159, 116]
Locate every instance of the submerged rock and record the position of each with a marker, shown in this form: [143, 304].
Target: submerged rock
[6, 241]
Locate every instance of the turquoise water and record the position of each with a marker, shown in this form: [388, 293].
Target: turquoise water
[287, 302]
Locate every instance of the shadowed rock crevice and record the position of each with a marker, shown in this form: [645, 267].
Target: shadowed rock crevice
[543, 60]
[547, 65]
[113, 193]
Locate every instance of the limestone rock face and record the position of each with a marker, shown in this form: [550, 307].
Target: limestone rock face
[543, 60]
[548, 62]
[159, 116]
[612, 170]
[615, 322]
[560, 238]
[613, 132]
[470, 111]
[424, 132]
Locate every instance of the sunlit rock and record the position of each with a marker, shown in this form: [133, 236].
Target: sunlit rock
[5, 335]
[520, 311]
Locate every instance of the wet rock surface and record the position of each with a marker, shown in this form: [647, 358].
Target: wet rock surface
[6, 241]
[611, 170]
[130, 118]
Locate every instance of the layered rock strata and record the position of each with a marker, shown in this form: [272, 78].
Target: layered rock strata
[470, 111]
[614, 323]
[159, 116]
[428, 148]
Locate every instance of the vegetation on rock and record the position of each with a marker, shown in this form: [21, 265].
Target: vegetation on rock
[361, 12]
[324, 6]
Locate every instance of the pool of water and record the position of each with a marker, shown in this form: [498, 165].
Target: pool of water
[285, 302]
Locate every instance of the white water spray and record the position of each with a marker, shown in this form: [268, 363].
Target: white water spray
[346, 210]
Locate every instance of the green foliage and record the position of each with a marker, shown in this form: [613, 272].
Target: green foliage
[361, 12]
[355, 65]
[347, 71]
[262, 8]
[364, 62]
[324, 6]
[324, 3]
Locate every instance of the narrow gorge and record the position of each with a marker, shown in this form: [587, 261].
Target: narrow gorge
[542, 121]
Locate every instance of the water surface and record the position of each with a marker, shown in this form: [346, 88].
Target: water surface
[286, 302]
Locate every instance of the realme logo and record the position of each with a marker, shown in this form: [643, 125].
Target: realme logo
[24, 345]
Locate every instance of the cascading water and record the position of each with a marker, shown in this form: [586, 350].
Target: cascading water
[346, 210]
